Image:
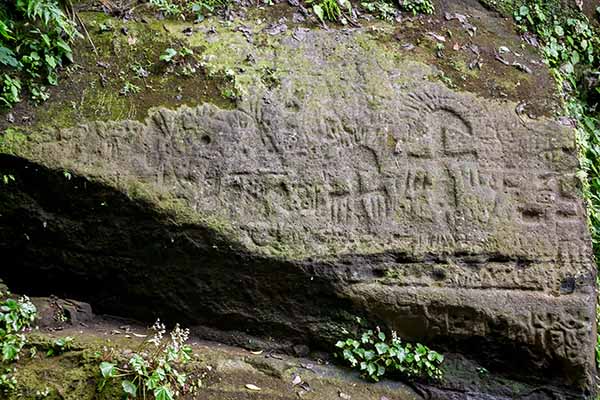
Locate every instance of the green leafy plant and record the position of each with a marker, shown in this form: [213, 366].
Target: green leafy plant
[153, 371]
[168, 55]
[11, 90]
[7, 178]
[332, 10]
[381, 9]
[167, 7]
[417, 6]
[8, 381]
[197, 9]
[60, 346]
[35, 37]
[129, 88]
[375, 355]
[171, 55]
[201, 8]
[16, 315]
[39, 93]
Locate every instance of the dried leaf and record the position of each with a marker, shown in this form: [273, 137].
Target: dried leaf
[522, 67]
[439, 38]
[296, 380]
[250, 386]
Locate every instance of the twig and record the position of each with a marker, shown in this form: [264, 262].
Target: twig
[87, 34]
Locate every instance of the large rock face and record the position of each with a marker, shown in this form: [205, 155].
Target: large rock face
[355, 185]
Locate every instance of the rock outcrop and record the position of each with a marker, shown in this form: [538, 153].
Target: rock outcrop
[347, 183]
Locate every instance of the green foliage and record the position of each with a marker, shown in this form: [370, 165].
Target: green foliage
[35, 37]
[571, 47]
[171, 55]
[11, 90]
[60, 346]
[167, 7]
[8, 381]
[129, 88]
[381, 9]
[16, 315]
[152, 371]
[417, 6]
[201, 8]
[7, 178]
[376, 355]
[198, 9]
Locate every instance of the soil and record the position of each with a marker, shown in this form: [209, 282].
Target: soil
[224, 371]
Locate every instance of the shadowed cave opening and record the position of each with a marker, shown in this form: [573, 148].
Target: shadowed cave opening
[84, 240]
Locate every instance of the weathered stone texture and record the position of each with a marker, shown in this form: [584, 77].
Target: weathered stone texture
[448, 217]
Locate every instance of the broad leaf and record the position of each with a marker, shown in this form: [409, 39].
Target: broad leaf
[108, 370]
[318, 10]
[129, 388]
[163, 393]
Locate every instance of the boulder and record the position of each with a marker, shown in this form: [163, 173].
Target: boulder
[346, 180]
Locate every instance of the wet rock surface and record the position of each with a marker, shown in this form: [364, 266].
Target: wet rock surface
[349, 184]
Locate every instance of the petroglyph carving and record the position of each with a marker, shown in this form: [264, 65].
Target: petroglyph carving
[459, 218]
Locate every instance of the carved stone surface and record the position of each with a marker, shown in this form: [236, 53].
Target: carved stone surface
[445, 216]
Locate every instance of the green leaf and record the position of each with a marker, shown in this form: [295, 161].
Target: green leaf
[129, 388]
[371, 369]
[7, 57]
[9, 352]
[318, 10]
[381, 348]
[51, 61]
[559, 30]
[524, 10]
[163, 393]
[381, 336]
[108, 370]
[168, 55]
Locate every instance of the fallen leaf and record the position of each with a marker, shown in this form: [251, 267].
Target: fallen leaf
[307, 366]
[297, 380]
[256, 353]
[522, 67]
[439, 38]
[139, 335]
[131, 40]
[250, 386]
[456, 47]
[450, 16]
[344, 396]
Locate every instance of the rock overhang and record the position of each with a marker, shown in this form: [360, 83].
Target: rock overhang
[446, 215]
